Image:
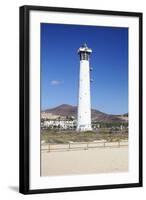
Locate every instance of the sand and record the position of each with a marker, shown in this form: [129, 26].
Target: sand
[94, 160]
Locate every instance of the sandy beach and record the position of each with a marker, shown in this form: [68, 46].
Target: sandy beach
[94, 160]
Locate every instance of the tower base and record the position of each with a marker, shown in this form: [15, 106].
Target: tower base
[83, 128]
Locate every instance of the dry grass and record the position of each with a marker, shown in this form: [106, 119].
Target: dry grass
[61, 137]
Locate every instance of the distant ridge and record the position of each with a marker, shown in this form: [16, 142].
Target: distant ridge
[69, 110]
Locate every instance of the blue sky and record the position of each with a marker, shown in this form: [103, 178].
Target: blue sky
[60, 66]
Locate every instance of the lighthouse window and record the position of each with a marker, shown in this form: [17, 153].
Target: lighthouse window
[84, 56]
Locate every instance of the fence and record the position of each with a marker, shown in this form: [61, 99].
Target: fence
[82, 145]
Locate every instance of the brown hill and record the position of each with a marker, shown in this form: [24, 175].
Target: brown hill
[69, 110]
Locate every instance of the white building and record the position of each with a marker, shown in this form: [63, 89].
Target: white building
[61, 124]
[84, 102]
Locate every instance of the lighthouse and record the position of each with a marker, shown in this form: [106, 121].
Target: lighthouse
[84, 98]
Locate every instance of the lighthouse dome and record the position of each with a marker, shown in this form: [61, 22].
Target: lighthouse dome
[84, 52]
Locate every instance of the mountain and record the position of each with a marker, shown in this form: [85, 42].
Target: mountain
[69, 110]
[63, 110]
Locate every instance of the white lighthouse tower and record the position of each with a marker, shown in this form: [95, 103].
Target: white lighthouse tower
[84, 99]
